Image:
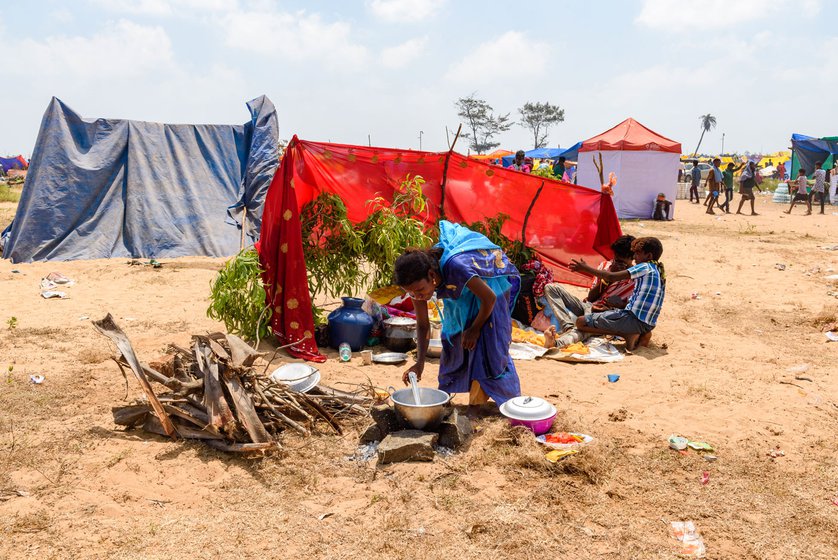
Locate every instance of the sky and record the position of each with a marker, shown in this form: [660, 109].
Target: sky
[384, 70]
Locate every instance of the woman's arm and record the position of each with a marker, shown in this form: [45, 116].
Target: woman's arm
[487, 298]
[423, 328]
[581, 266]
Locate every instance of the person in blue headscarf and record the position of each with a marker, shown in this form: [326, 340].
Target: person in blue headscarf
[478, 286]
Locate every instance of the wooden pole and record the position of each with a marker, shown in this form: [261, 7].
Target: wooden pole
[445, 173]
[244, 222]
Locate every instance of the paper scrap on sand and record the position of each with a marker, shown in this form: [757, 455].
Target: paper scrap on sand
[53, 295]
[599, 352]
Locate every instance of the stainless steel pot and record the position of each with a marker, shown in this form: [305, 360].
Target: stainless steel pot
[399, 334]
[424, 416]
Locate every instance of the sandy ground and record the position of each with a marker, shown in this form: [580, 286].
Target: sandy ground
[72, 485]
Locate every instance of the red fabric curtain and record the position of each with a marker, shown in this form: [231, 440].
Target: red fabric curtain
[566, 221]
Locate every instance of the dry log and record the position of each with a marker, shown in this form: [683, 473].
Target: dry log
[241, 353]
[218, 410]
[343, 396]
[245, 409]
[242, 447]
[201, 421]
[168, 382]
[152, 425]
[130, 415]
[108, 327]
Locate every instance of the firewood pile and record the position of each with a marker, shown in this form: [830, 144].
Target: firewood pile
[214, 393]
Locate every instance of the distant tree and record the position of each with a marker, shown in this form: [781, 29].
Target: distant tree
[480, 119]
[539, 117]
[708, 123]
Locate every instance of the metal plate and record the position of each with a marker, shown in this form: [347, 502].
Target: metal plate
[389, 358]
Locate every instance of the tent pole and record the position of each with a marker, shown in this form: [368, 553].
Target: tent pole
[244, 221]
[445, 173]
[527, 215]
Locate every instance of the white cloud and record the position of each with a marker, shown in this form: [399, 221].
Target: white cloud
[122, 49]
[402, 55]
[162, 8]
[507, 58]
[294, 36]
[123, 70]
[137, 7]
[698, 16]
[404, 10]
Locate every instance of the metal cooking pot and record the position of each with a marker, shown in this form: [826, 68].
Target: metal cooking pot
[400, 334]
[425, 416]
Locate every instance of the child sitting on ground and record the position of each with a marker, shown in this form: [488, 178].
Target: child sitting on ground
[662, 207]
[636, 321]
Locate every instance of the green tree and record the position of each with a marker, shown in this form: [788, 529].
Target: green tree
[538, 118]
[708, 123]
[482, 123]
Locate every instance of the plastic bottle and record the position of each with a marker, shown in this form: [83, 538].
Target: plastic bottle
[345, 352]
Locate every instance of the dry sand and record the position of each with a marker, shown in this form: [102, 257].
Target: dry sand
[74, 486]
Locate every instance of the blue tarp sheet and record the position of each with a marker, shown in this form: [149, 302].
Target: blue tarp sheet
[809, 151]
[547, 153]
[101, 188]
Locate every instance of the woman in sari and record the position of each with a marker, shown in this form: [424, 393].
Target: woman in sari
[478, 285]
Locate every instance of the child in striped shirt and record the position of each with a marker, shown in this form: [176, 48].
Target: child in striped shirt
[636, 321]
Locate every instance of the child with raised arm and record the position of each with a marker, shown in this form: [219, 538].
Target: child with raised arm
[801, 195]
[636, 321]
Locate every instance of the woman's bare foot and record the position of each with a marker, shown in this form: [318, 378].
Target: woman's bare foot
[787, 212]
[754, 214]
[550, 337]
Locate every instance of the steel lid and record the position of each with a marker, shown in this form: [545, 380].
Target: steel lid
[527, 408]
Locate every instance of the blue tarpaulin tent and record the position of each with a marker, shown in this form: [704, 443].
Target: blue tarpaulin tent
[807, 151]
[100, 188]
[569, 154]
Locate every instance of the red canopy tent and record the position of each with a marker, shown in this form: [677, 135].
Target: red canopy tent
[644, 162]
[630, 135]
[563, 221]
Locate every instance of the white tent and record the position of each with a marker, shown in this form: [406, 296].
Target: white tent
[644, 162]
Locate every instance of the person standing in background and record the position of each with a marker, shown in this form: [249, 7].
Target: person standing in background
[715, 185]
[727, 178]
[520, 163]
[695, 175]
[819, 187]
[747, 182]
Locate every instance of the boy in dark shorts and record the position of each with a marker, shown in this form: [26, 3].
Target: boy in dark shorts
[636, 321]
[801, 195]
[727, 178]
[714, 186]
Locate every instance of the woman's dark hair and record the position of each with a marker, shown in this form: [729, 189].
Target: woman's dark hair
[415, 265]
[622, 246]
